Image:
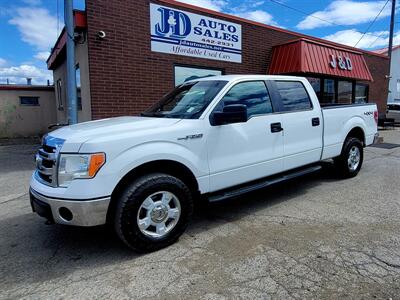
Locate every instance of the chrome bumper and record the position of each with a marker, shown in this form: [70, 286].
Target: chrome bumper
[71, 212]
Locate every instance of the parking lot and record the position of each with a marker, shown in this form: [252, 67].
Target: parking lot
[314, 237]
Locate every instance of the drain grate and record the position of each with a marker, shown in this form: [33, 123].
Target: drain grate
[386, 145]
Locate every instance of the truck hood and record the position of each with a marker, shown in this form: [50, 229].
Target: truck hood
[76, 135]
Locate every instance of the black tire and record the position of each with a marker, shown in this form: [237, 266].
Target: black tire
[129, 204]
[342, 164]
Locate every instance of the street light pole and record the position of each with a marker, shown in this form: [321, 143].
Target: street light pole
[71, 75]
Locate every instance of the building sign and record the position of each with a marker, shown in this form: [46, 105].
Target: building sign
[344, 63]
[177, 32]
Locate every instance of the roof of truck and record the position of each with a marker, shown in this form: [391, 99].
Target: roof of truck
[249, 76]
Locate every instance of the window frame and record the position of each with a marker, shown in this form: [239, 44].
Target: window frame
[59, 91]
[279, 98]
[321, 82]
[351, 83]
[246, 81]
[31, 97]
[397, 95]
[336, 80]
[366, 85]
[78, 87]
[335, 90]
[222, 70]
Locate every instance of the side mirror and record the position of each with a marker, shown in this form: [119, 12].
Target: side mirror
[234, 113]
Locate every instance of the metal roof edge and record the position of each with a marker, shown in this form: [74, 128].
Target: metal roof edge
[10, 87]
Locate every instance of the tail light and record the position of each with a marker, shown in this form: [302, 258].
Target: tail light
[376, 116]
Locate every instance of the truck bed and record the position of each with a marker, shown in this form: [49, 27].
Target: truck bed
[339, 119]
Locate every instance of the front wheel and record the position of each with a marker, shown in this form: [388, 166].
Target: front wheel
[350, 161]
[153, 212]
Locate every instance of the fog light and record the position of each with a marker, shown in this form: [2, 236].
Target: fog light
[65, 214]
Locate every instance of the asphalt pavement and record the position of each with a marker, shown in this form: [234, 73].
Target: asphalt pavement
[315, 237]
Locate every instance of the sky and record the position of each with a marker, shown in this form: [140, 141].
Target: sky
[29, 28]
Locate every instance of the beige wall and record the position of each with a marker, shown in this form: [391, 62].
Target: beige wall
[18, 120]
[60, 73]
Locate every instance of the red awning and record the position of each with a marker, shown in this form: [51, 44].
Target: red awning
[310, 57]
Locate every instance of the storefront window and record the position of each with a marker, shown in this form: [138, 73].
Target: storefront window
[183, 74]
[316, 84]
[329, 95]
[361, 93]
[345, 91]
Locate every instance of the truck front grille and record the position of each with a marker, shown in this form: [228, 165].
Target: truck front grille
[46, 160]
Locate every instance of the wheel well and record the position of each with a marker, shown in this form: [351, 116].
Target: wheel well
[169, 167]
[358, 133]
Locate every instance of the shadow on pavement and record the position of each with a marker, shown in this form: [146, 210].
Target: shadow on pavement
[33, 252]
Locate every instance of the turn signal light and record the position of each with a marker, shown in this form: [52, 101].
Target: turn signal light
[97, 160]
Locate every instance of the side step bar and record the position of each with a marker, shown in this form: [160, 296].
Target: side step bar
[242, 189]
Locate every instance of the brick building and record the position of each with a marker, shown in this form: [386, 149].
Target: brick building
[150, 46]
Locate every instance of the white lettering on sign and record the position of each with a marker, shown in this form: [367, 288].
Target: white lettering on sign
[333, 61]
[178, 32]
[344, 63]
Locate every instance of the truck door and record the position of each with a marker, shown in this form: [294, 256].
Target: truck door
[301, 123]
[243, 152]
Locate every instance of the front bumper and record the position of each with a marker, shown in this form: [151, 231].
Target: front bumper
[90, 212]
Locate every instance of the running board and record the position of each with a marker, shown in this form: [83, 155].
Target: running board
[233, 192]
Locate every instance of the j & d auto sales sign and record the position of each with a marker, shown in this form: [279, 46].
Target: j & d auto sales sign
[177, 32]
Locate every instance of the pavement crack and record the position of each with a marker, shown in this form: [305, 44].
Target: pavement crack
[13, 198]
[396, 266]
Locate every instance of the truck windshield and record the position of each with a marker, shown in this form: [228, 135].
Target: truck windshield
[186, 101]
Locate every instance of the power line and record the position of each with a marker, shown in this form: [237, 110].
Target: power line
[312, 16]
[383, 32]
[58, 18]
[380, 35]
[303, 12]
[372, 23]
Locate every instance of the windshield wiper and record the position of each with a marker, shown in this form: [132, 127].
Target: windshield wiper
[152, 114]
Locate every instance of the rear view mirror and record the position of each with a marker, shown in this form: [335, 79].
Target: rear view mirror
[233, 113]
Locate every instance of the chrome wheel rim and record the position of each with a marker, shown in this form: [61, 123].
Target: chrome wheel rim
[354, 158]
[158, 214]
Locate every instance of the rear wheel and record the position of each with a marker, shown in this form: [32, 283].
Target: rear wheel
[350, 161]
[153, 212]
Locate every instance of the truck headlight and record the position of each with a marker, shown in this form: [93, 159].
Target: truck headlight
[75, 166]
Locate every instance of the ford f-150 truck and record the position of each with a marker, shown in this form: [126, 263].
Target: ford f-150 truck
[212, 138]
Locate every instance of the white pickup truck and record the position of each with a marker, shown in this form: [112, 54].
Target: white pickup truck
[215, 137]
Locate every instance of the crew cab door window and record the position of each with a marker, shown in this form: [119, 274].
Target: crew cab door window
[293, 95]
[253, 94]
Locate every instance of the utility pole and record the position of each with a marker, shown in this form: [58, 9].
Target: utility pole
[71, 76]
[391, 45]
[391, 29]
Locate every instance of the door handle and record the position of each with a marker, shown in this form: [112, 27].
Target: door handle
[315, 121]
[276, 127]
